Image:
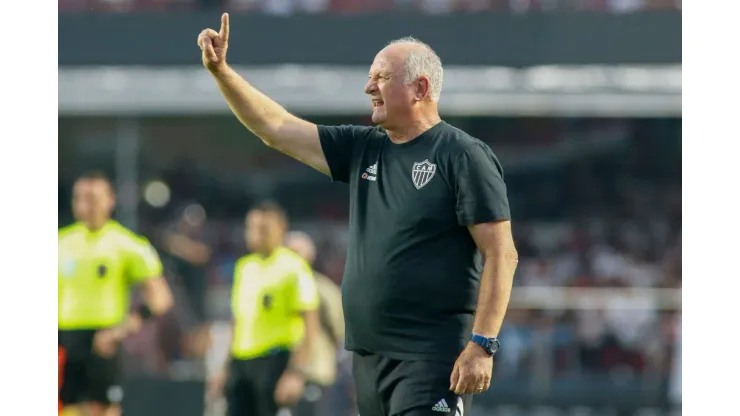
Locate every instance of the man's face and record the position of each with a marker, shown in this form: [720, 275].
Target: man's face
[392, 99]
[92, 202]
[264, 231]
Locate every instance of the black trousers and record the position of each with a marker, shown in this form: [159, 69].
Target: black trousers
[250, 389]
[387, 387]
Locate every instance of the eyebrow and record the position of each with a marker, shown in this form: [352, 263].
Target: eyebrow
[379, 73]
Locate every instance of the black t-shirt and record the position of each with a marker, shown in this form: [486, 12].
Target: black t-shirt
[412, 273]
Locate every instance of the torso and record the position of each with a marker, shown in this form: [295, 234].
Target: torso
[93, 285]
[412, 272]
[262, 301]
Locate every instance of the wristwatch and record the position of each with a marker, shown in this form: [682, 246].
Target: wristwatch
[490, 345]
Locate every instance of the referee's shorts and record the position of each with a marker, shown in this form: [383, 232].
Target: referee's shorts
[86, 376]
[250, 389]
[387, 387]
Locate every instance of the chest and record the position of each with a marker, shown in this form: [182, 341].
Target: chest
[258, 281]
[404, 183]
[94, 260]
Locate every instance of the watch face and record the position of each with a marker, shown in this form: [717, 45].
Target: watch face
[493, 346]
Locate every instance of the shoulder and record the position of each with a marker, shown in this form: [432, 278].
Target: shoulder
[70, 238]
[130, 243]
[65, 233]
[292, 261]
[459, 143]
[467, 152]
[351, 132]
[125, 237]
[243, 261]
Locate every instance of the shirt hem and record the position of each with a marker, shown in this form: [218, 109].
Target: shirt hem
[405, 356]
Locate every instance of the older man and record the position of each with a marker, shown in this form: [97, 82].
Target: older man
[431, 258]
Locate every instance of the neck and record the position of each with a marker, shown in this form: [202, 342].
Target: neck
[413, 130]
[95, 227]
[267, 252]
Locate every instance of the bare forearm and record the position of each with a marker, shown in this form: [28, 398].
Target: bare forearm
[255, 110]
[227, 359]
[302, 354]
[158, 296]
[495, 291]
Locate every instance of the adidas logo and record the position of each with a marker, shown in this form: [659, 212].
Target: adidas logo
[373, 169]
[441, 406]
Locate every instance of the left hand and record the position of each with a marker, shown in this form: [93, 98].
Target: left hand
[289, 388]
[472, 371]
[105, 342]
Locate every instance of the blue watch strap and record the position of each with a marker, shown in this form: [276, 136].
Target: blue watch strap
[480, 340]
[486, 343]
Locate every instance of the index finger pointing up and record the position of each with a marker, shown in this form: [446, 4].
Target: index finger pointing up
[224, 32]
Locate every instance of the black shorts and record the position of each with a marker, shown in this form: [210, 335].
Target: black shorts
[87, 376]
[387, 387]
[250, 389]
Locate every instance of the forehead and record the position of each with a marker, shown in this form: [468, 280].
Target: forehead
[389, 59]
[257, 215]
[91, 185]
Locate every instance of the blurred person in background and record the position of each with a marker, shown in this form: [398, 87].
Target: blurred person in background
[322, 370]
[431, 257]
[275, 321]
[99, 262]
[188, 245]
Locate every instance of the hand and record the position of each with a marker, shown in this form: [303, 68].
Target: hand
[289, 388]
[214, 44]
[472, 371]
[216, 384]
[105, 342]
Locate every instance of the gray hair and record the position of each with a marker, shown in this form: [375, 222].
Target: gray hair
[422, 60]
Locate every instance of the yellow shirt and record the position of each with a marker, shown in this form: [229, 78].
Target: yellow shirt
[268, 295]
[96, 270]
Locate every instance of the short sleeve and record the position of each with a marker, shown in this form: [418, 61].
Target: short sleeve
[306, 296]
[143, 260]
[338, 143]
[480, 188]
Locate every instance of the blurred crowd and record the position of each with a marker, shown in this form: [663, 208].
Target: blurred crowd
[284, 7]
[596, 204]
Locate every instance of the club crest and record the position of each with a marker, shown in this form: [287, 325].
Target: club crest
[422, 173]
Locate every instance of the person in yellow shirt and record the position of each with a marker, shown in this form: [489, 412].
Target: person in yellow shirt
[322, 370]
[275, 324]
[99, 261]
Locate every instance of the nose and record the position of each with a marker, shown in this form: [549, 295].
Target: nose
[370, 86]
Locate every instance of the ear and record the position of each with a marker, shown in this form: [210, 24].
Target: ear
[422, 88]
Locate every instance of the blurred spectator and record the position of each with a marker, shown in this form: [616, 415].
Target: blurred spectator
[187, 243]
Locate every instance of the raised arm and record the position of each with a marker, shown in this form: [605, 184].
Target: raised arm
[264, 117]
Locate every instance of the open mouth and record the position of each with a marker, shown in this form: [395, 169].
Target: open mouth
[377, 103]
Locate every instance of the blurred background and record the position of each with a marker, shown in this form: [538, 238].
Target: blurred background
[580, 100]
